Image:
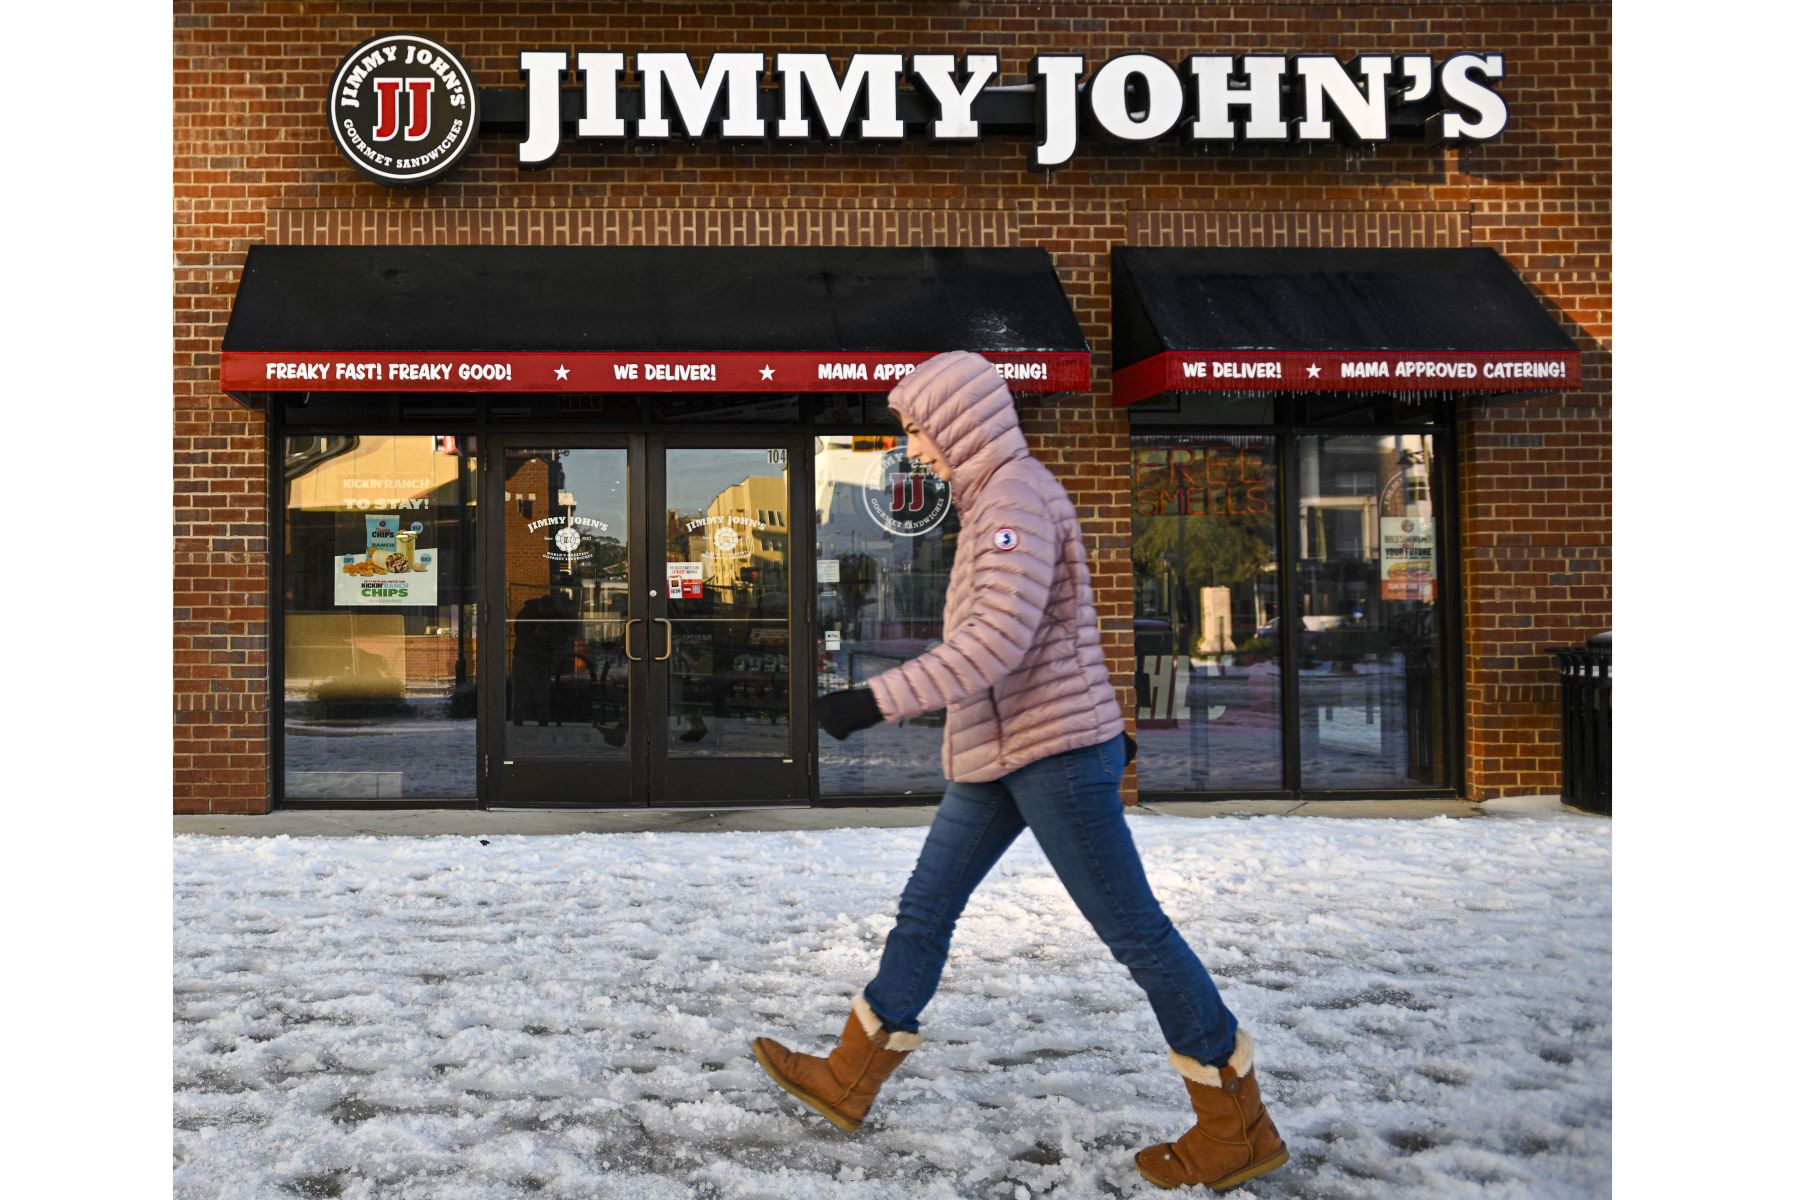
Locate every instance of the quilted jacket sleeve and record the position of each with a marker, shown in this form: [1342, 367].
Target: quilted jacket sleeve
[1015, 544]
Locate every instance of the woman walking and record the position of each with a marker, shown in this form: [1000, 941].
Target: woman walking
[1034, 738]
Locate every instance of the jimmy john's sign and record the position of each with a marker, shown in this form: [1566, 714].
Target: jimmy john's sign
[404, 110]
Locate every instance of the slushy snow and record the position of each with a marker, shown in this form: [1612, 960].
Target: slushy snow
[571, 1016]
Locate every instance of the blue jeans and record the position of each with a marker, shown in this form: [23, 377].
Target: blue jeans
[1071, 802]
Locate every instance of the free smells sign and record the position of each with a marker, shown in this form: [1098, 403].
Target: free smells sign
[404, 109]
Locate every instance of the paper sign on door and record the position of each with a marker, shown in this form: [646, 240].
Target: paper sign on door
[684, 581]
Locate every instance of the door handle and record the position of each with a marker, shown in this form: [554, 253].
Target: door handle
[668, 638]
[628, 653]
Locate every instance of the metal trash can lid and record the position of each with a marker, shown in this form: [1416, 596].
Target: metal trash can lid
[1601, 639]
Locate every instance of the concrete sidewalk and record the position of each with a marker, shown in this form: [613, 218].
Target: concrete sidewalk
[428, 822]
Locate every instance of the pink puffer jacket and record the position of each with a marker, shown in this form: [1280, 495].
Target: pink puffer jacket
[1020, 668]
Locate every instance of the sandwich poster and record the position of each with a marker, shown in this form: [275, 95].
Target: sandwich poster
[389, 568]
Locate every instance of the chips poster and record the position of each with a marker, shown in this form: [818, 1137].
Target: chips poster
[389, 568]
[1408, 558]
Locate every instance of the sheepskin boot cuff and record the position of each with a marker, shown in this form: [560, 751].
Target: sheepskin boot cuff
[899, 1042]
[1199, 1072]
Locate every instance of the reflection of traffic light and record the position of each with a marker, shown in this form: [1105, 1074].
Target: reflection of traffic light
[749, 574]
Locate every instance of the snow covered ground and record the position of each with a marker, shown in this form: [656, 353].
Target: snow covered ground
[571, 1016]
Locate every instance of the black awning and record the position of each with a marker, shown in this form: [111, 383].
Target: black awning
[1308, 319]
[641, 318]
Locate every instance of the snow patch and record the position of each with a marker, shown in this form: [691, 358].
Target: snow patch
[570, 1016]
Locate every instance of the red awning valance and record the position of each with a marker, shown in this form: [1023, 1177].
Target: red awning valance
[243, 371]
[1195, 319]
[734, 319]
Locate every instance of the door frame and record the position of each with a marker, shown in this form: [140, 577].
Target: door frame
[748, 782]
[650, 778]
[1287, 427]
[559, 778]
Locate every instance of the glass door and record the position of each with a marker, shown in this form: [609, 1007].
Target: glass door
[643, 622]
[564, 728]
[724, 623]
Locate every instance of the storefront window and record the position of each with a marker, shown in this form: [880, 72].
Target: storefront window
[886, 537]
[379, 617]
[1370, 638]
[1212, 517]
[1203, 555]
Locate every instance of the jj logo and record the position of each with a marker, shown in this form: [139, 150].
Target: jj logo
[403, 109]
[909, 492]
[418, 100]
[902, 499]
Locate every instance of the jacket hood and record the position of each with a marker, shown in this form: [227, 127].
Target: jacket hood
[962, 404]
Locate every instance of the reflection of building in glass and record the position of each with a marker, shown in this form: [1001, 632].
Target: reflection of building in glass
[591, 572]
[741, 540]
[1204, 554]
[890, 586]
[1203, 542]
[532, 486]
[1369, 687]
[1347, 485]
[885, 606]
[565, 595]
[840, 467]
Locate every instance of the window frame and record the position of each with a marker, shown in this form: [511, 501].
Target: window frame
[1286, 431]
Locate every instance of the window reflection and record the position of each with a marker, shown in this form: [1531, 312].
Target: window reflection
[566, 578]
[886, 538]
[1204, 564]
[379, 617]
[1370, 643]
[726, 549]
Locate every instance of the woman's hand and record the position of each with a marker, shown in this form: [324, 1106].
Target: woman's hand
[843, 713]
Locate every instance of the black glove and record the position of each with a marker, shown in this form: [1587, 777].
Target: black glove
[843, 713]
[1130, 749]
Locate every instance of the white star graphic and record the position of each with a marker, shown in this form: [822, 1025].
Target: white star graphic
[1312, 372]
[767, 372]
[562, 372]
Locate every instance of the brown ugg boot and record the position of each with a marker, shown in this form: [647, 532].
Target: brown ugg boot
[1232, 1141]
[841, 1087]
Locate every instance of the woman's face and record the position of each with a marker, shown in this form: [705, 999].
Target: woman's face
[922, 449]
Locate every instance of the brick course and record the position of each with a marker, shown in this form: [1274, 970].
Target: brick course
[254, 162]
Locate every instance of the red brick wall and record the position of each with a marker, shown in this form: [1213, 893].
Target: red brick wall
[254, 162]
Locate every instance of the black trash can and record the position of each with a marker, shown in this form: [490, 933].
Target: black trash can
[1586, 673]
